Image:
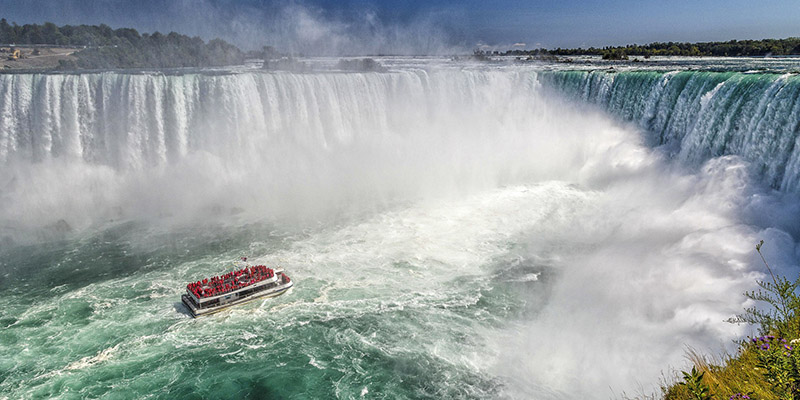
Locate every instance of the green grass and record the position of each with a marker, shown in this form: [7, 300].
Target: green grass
[726, 377]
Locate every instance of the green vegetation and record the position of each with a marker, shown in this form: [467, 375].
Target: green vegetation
[693, 382]
[766, 367]
[123, 48]
[615, 54]
[733, 48]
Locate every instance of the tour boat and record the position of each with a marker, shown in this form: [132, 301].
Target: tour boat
[236, 287]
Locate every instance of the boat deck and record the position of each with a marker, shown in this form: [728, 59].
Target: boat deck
[237, 287]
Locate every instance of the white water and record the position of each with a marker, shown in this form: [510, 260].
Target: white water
[463, 172]
[704, 114]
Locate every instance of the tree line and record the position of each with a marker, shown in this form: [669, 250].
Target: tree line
[732, 48]
[123, 47]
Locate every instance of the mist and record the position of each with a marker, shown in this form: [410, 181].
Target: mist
[273, 145]
[291, 27]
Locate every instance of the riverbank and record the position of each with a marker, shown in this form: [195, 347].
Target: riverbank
[37, 58]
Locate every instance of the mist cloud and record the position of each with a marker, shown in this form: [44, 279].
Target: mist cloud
[290, 26]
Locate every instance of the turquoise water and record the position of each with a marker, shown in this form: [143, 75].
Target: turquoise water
[453, 230]
[100, 316]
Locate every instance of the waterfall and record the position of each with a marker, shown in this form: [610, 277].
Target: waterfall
[130, 121]
[698, 115]
[267, 139]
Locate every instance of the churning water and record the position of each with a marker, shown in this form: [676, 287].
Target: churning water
[454, 230]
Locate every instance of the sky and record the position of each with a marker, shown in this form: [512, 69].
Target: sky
[432, 26]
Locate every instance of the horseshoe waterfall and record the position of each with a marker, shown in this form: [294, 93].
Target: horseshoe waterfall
[453, 229]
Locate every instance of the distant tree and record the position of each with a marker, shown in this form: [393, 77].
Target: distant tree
[6, 32]
[788, 46]
[129, 34]
[614, 54]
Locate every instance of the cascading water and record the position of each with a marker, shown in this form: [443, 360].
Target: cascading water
[269, 140]
[453, 232]
[705, 114]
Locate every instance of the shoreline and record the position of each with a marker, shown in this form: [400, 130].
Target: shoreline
[47, 59]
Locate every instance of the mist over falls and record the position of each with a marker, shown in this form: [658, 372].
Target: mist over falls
[698, 115]
[453, 231]
[274, 144]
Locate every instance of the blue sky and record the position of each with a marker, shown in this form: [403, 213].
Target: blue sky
[374, 25]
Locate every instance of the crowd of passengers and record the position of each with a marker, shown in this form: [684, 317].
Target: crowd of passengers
[231, 281]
